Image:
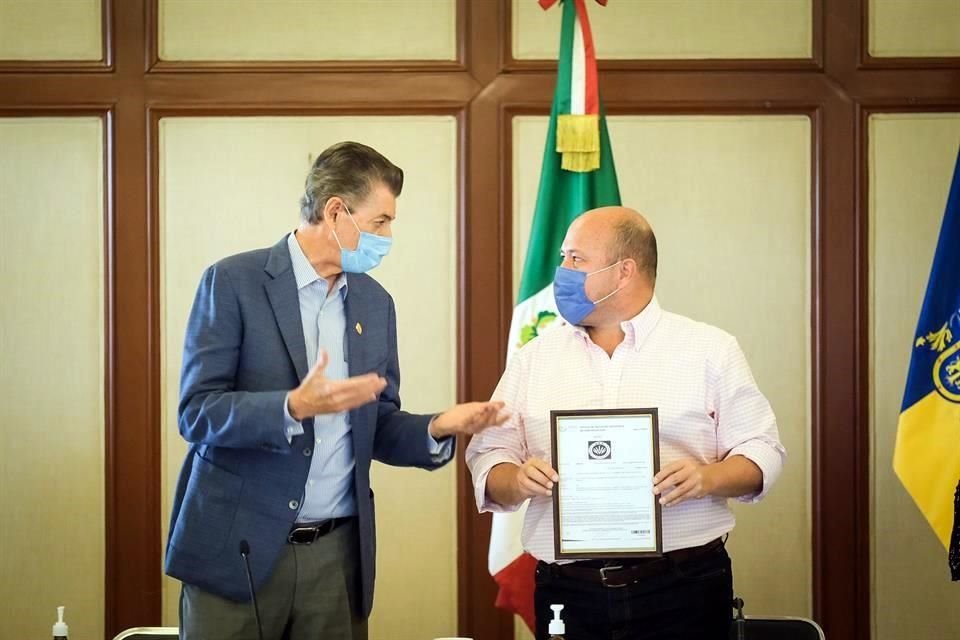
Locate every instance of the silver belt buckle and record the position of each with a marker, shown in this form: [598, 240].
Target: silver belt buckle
[297, 530]
[603, 576]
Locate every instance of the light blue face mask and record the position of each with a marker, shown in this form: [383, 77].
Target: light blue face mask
[371, 249]
[571, 296]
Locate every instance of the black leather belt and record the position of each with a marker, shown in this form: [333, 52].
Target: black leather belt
[310, 532]
[619, 573]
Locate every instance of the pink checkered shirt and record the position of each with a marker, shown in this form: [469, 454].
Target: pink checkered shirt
[695, 374]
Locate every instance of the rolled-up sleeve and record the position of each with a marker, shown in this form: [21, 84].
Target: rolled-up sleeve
[500, 444]
[746, 425]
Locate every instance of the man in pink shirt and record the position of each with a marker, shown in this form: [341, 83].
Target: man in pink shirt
[718, 438]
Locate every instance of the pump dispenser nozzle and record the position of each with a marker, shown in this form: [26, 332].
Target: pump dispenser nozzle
[60, 628]
[557, 628]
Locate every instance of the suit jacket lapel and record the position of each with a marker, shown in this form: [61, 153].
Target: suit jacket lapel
[283, 296]
[356, 345]
[356, 356]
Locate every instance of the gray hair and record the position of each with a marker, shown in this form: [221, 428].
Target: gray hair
[349, 170]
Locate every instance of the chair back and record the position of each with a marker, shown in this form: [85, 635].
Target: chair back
[149, 633]
[778, 628]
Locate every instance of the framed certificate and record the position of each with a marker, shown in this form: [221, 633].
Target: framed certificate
[603, 506]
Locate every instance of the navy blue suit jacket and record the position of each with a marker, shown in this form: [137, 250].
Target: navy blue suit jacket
[244, 350]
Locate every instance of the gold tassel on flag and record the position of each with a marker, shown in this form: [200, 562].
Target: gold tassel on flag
[578, 140]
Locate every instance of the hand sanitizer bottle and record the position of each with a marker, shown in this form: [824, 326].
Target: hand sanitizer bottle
[60, 628]
[557, 628]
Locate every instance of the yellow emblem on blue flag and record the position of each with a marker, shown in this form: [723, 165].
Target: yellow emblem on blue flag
[946, 368]
[927, 453]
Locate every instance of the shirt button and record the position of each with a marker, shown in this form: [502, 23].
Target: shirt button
[318, 440]
[310, 482]
[307, 452]
[293, 504]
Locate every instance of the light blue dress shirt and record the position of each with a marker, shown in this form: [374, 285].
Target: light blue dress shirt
[329, 491]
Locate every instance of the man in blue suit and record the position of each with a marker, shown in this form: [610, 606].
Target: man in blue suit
[289, 389]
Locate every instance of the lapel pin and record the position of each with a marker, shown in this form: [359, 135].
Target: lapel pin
[359, 329]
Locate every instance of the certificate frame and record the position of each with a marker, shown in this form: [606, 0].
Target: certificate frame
[571, 417]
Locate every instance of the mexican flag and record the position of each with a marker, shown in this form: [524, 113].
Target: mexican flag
[577, 175]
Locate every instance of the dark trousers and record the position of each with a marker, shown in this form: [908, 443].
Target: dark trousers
[312, 594]
[688, 600]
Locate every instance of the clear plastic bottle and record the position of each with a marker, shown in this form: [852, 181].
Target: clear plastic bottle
[60, 628]
[556, 629]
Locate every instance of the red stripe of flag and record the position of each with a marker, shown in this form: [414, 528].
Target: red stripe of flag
[591, 96]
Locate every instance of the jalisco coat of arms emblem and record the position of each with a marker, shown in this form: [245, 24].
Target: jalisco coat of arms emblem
[946, 368]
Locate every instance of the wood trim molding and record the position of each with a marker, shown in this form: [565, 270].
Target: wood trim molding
[486, 318]
[154, 64]
[840, 436]
[510, 64]
[135, 594]
[103, 65]
[332, 91]
[869, 62]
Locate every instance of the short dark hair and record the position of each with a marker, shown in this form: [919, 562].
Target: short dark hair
[633, 238]
[349, 170]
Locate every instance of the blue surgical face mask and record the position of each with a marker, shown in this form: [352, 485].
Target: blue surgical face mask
[571, 296]
[371, 249]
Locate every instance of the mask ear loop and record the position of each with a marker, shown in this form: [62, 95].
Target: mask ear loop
[350, 215]
[596, 302]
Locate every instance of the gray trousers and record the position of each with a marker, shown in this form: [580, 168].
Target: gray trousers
[313, 594]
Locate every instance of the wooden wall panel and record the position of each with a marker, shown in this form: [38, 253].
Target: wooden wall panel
[53, 348]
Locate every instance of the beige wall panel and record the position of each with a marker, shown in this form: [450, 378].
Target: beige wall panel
[911, 164]
[50, 30]
[52, 376]
[729, 199]
[307, 30]
[675, 29]
[914, 28]
[232, 184]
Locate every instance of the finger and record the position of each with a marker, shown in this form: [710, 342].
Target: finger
[490, 416]
[379, 384]
[481, 410]
[349, 403]
[367, 392]
[538, 476]
[673, 479]
[475, 414]
[543, 467]
[533, 488]
[679, 494]
[475, 428]
[484, 417]
[355, 392]
[667, 470]
[367, 383]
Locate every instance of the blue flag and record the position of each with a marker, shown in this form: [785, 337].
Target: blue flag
[927, 453]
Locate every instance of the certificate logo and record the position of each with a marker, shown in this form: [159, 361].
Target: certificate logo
[599, 449]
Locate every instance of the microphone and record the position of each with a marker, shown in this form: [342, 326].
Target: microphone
[740, 622]
[245, 554]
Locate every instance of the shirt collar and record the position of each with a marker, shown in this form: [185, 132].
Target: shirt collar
[304, 272]
[637, 328]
